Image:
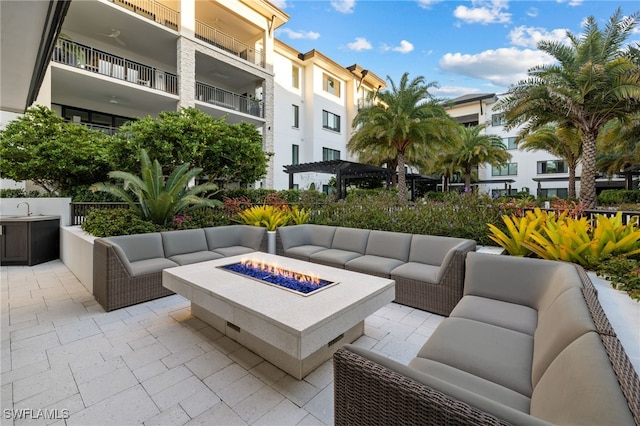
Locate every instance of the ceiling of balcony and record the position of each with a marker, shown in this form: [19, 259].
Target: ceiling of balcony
[91, 20]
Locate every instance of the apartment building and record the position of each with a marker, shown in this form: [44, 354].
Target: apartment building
[537, 172]
[316, 100]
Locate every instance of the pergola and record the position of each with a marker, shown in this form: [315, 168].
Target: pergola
[343, 170]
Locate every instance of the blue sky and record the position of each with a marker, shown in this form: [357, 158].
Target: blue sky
[465, 46]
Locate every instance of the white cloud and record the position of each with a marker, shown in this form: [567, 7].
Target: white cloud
[359, 44]
[344, 6]
[295, 35]
[571, 2]
[452, 91]
[484, 12]
[502, 67]
[531, 36]
[426, 4]
[532, 12]
[404, 47]
[280, 4]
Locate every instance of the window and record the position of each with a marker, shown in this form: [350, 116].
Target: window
[295, 154]
[551, 166]
[106, 123]
[330, 85]
[510, 169]
[503, 192]
[295, 110]
[330, 121]
[498, 119]
[330, 154]
[554, 192]
[510, 143]
[295, 76]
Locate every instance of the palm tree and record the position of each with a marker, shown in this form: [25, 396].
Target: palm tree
[619, 147]
[562, 142]
[594, 80]
[403, 116]
[159, 200]
[470, 148]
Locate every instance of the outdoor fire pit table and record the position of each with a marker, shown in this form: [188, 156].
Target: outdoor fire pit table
[293, 331]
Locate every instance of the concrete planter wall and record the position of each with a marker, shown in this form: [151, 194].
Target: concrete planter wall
[76, 252]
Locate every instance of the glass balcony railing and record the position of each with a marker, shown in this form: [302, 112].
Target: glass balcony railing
[229, 100]
[229, 44]
[153, 11]
[97, 61]
[107, 130]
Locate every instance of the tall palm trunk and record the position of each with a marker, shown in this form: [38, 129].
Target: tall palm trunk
[572, 181]
[588, 179]
[402, 182]
[467, 178]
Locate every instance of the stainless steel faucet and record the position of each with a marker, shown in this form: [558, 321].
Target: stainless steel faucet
[28, 207]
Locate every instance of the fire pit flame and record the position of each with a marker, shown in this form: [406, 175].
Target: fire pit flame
[301, 283]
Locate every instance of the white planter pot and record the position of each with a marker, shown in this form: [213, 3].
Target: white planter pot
[271, 242]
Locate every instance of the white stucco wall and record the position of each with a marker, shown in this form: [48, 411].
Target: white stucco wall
[76, 252]
[39, 206]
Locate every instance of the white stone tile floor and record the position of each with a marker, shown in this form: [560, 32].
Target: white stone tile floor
[67, 361]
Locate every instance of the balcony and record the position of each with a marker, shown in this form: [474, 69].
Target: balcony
[229, 100]
[97, 61]
[229, 44]
[153, 11]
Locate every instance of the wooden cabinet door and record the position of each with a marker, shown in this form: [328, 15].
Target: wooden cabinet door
[14, 242]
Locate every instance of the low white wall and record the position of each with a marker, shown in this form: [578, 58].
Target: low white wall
[40, 206]
[77, 253]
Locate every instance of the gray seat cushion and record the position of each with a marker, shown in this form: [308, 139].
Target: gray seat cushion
[334, 257]
[149, 266]
[303, 252]
[418, 272]
[494, 353]
[432, 249]
[195, 257]
[350, 239]
[503, 314]
[234, 250]
[374, 265]
[472, 383]
[183, 242]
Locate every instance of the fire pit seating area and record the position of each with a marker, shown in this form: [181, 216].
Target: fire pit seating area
[127, 269]
[528, 343]
[428, 270]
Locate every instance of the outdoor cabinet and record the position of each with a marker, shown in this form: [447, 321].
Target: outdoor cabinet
[29, 242]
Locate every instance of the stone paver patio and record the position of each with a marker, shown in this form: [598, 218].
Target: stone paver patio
[64, 358]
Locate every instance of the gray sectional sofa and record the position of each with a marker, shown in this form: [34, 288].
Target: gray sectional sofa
[527, 344]
[127, 269]
[428, 270]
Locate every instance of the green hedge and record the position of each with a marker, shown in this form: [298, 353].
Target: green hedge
[609, 197]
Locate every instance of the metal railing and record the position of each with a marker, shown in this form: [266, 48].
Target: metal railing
[229, 44]
[77, 55]
[107, 130]
[153, 11]
[224, 98]
[79, 211]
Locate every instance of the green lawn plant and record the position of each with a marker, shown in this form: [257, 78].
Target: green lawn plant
[159, 200]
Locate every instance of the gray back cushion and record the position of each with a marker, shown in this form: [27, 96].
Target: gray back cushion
[432, 249]
[234, 235]
[566, 319]
[140, 246]
[187, 241]
[580, 387]
[302, 235]
[535, 283]
[350, 239]
[394, 245]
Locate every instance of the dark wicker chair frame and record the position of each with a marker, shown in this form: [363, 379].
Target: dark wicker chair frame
[366, 392]
[116, 288]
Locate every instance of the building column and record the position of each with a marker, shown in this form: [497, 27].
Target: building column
[186, 73]
[268, 87]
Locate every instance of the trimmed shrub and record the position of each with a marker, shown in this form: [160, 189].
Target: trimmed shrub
[110, 222]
